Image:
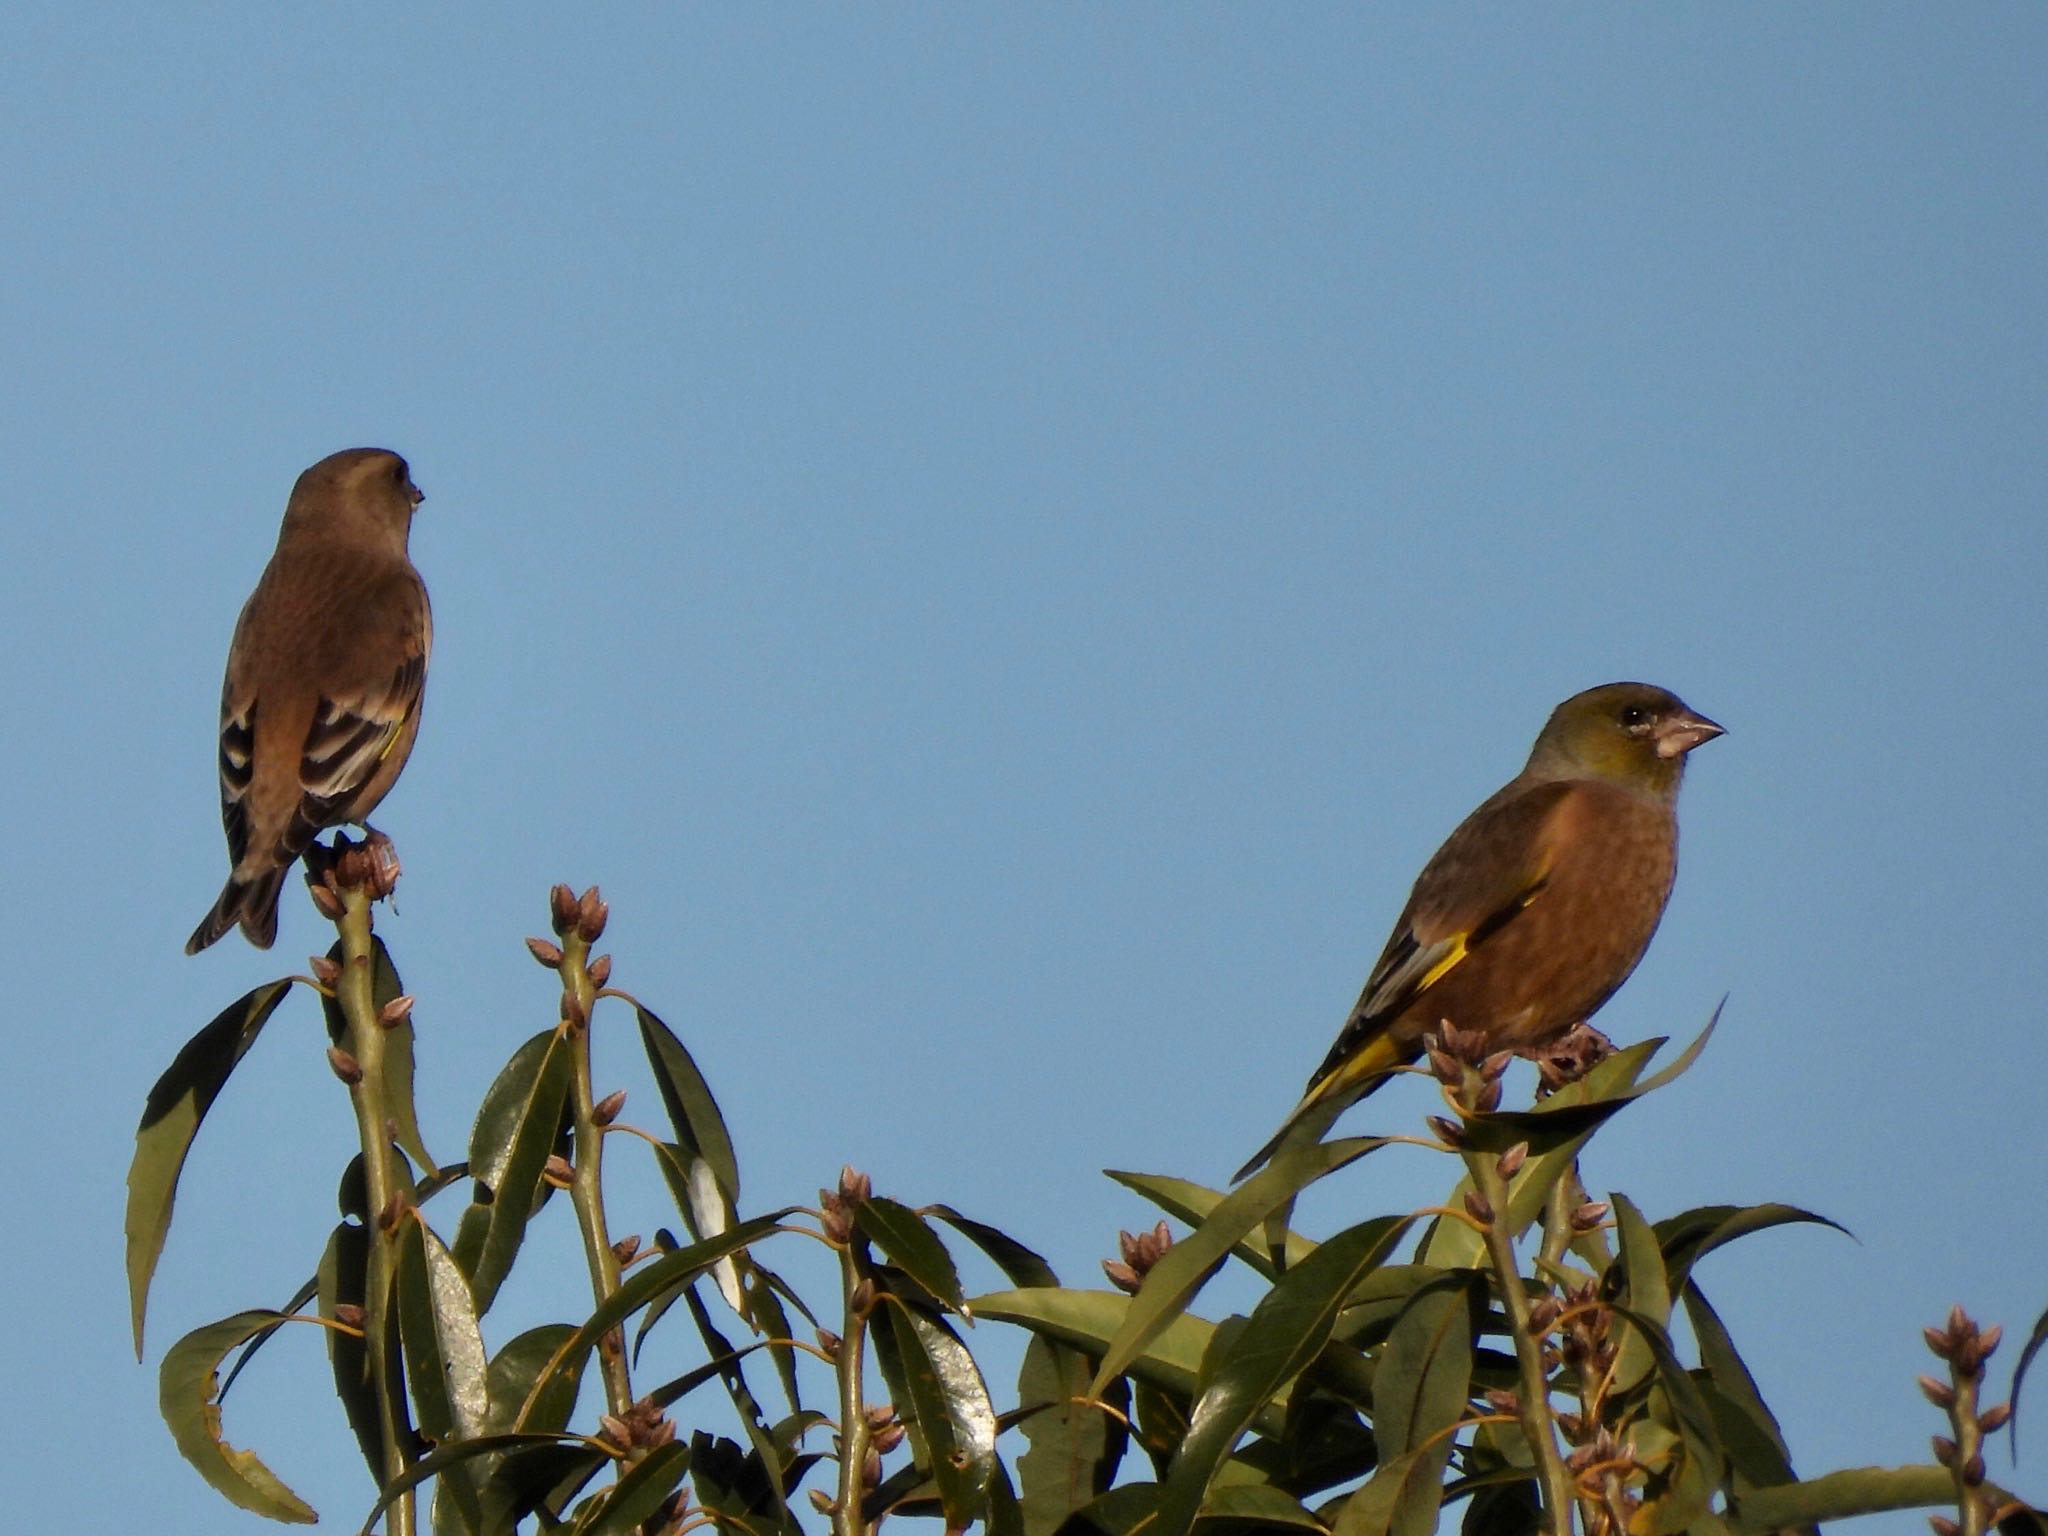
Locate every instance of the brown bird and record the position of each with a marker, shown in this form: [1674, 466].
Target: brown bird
[324, 679]
[1535, 909]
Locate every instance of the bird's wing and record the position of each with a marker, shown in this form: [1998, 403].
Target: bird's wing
[1487, 873]
[1489, 870]
[350, 737]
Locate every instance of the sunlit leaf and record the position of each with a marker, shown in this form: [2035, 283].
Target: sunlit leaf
[913, 1247]
[446, 1365]
[1287, 1330]
[1075, 1445]
[1195, 1203]
[186, 1396]
[170, 1119]
[640, 1493]
[1088, 1320]
[943, 1402]
[1187, 1265]
[1854, 1491]
[1637, 1276]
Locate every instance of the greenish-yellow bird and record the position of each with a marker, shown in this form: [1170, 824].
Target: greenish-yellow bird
[1536, 908]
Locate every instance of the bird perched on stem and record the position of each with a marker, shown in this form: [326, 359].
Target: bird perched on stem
[324, 679]
[1535, 909]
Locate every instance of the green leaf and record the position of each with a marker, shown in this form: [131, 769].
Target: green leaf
[638, 1494]
[727, 1360]
[1119, 1512]
[1692, 1235]
[1088, 1320]
[913, 1247]
[398, 1038]
[1185, 1267]
[1561, 1117]
[342, 1280]
[1855, 1491]
[1021, 1265]
[444, 1348]
[1399, 1486]
[1194, 1203]
[1257, 1504]
[513, 1448]
[952, 1424]
[1075, 1446]
[1637, 1275]
[687, 1097]
[516, 1129]
[646, 1284]
[1531, 1187]
[1421, 1388]
[1691, 1416]
[170, 1119]
[185, 1395]
[1756, 1446]
[1287, 1330]
[765, 1315]
[513, 1372]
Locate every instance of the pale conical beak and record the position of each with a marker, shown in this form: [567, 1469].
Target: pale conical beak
[1681, 733]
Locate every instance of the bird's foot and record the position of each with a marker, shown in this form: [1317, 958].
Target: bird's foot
[371, 864]
[1569, 1057]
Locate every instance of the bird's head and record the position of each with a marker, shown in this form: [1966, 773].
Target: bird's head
[359, 490]
[1635, 735]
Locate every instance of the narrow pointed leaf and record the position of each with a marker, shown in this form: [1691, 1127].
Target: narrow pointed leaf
[748, 1408]
[1185, 1267]
[1286, 1331]
[691, 1109]
[705, 1212]
[1691, 1235]
[516, 1129]
[185, 1395]
[170, 1119]
[1637, 1276]
[399, 1108]
[951, 1421]
[1756, 1445]
[1386, 1504]
[1557, 1119]
[445, 1361]
[1531, 1187]
[646, 1284]
[1194, 1203]
[1021, 1265]
[1258, 1504]
[638, 1494]
[342, 1281]
[1088, 1320]
[467, 1451]
[914, 1248]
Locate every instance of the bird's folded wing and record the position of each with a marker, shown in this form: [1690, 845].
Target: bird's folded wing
[349, 739]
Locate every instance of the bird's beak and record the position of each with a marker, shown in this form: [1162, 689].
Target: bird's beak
[1681, 733]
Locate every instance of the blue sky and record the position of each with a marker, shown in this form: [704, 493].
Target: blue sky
[1002, 538]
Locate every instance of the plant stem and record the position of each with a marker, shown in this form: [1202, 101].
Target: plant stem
[356, 992]
[853, 1411]
[1962, 1414]
[1538, 1427]
[586, 1187]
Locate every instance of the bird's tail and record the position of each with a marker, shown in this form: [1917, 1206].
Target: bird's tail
[1330, 1095]
[252, 903]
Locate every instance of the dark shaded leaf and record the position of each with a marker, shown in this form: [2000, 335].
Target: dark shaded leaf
[1402, 1484]
[1185, 1267]
[1421, 1388]
[944, 1403]
[1005, 1514]
[1285, 1332]
[1756, 1447]
[511, 1447]
[1256, 1504]
[515, 1368]
[1637, 1277]
[640, 1493]
[1561, 1117]
[1022, 1265]
[914, 1248]
[767, 1452]
[1504, 1509]
[342, 1280]
[185, 1395]
[170, 1119]
[516, 1129]
[2019, 1374]
[687, 1097]
[1119, 1512]
[644, 1285]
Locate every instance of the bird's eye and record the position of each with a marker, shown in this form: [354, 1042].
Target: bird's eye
[1635, 716]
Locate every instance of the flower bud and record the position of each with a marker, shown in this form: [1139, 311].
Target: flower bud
[1509, 1163]
[328, 902]
[562, 910]
[1479, 1208]
[601, 970]
[549, 955]
[325, 971]
[1995, 1418]
[396, 1012]
[558, 1171]
[591, 916]
[625, 1249]
[1939, 1393]
[348, 1314]
[1944, 1449]
[345, 1066]
[606, 1110]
